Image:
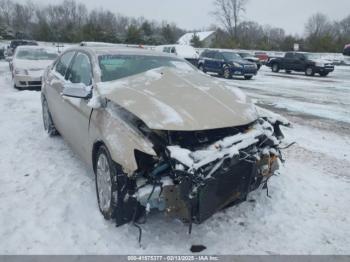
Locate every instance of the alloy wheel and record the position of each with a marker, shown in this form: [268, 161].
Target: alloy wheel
[104, 183]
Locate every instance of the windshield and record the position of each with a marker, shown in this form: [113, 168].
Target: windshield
[312, 56]
[231, 56]
[244, 54]
[36, 54]
[114, 67]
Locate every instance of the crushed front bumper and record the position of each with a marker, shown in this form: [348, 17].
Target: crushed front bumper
[224, 174]
[229, 185]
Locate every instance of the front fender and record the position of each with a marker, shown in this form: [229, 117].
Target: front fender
[120, 137]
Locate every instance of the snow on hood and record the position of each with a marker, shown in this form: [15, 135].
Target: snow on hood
[34, 67]
[180, 99]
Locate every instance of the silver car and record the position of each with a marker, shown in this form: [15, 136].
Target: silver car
[28, 65]
[158, 133]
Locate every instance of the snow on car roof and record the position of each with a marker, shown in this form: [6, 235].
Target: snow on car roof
[108, 50]
[36, 47]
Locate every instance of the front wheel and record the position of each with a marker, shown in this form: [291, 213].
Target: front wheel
[106, 183]
[324, 74]
[201, 67]
[248, 77]
[275, 68]
[49, 126]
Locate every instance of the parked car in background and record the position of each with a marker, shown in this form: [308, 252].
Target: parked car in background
[28, 65]
[158, 134]
[309, 63]
[2, 51]
[15, 43]
[226, 64]
[251, 58]
[263, 57]
[184, 51]
[347, 50]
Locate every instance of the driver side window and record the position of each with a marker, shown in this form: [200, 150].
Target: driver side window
[80, 71]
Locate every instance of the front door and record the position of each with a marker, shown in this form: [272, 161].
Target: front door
[76, 110]
[56, 81]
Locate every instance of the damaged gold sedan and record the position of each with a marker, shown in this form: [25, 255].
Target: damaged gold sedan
[158, 133]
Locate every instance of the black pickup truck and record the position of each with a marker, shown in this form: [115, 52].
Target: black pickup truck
[301, 62]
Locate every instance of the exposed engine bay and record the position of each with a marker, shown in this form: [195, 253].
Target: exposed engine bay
[196, 174]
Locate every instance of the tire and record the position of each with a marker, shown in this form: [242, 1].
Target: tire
[275, 68]
[201, 67]
[324, 74]
[248, 77]
[106, 183]
[227, 73]
[310, 71]
[49, 126]
[288, 71]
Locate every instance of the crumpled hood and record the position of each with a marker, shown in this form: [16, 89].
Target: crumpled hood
[182, 100]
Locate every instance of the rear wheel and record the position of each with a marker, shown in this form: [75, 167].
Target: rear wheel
[288, 71]
[106, 183]
[324, 74]
[248, 77]
[309, 71]
[49, 126]
[275, 68]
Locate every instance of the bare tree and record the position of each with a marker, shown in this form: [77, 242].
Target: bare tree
[318, 25]
[6, 11]
[228, 13]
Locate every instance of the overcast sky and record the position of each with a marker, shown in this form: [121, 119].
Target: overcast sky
[194, 14]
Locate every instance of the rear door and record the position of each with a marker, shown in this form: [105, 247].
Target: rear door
[76, 110]
[300, 62]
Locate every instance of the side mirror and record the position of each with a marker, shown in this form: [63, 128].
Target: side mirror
[77, 91]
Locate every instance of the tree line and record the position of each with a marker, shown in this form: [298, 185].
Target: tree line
[320, 33]
[71, 21]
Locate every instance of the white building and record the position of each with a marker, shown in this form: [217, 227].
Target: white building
[206, 38]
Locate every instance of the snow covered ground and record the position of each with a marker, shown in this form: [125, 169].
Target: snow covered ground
[48, 203]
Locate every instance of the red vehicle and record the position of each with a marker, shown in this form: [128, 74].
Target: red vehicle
[263, 57]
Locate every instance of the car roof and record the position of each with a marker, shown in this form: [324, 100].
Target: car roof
[36, 47]
[117, 50]
[23, 41]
